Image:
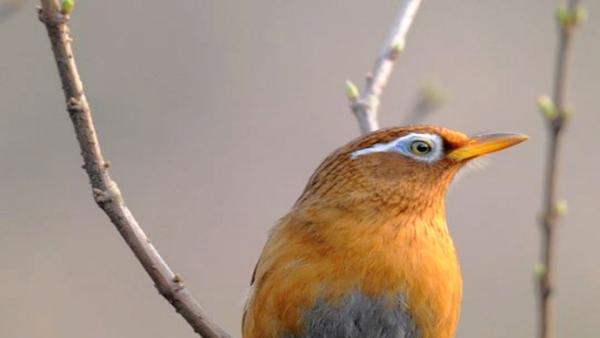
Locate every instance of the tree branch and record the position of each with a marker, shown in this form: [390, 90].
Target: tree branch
[366, 106]
[105, 190]
[556, 113]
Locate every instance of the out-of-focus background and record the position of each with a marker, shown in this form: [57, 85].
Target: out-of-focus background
[215, 113]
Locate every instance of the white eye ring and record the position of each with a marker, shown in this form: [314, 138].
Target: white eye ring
[404, 145]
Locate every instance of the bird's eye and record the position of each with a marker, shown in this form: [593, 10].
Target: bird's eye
[420, 148]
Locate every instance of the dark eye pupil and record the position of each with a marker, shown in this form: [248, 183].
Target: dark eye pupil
[422, 147]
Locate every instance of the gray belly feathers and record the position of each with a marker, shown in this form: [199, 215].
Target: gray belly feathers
[358, 317]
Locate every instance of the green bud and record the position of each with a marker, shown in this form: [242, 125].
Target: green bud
[398, 47]
[563, 15]
[351, 91]
[434, 92]
[561, 208]
[580, 15]
[570, 18]
[539, 270]
[66, 6]
[547, 107]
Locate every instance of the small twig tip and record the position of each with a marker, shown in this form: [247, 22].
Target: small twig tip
[351, 91]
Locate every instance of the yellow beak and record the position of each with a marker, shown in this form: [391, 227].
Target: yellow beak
[485, 144]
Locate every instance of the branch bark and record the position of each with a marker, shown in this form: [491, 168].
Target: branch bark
[366, 107]
[557, 114]
[105, 191]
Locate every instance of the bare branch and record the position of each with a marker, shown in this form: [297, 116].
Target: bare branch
[105, 190]
[366, 106]
[556, 113]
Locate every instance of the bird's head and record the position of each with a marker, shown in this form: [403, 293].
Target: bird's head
[399, 169]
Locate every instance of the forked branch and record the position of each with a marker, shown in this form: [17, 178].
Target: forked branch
[366, 106]
[105, 191]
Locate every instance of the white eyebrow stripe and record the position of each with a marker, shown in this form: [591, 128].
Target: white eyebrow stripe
[376, 148]
[401, 145]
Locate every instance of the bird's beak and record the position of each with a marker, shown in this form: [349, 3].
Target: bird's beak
[485, 144]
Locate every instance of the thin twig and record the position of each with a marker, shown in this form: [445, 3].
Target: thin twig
[366, 106]
[556, 113]
[105, 190]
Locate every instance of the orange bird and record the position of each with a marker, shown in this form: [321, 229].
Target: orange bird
[365, 251]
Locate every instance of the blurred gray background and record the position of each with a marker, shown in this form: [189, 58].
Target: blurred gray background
[215, 113]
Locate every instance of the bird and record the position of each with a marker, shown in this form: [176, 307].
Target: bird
[365, 251]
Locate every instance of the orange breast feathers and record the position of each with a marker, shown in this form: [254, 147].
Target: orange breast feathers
[328, 252]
